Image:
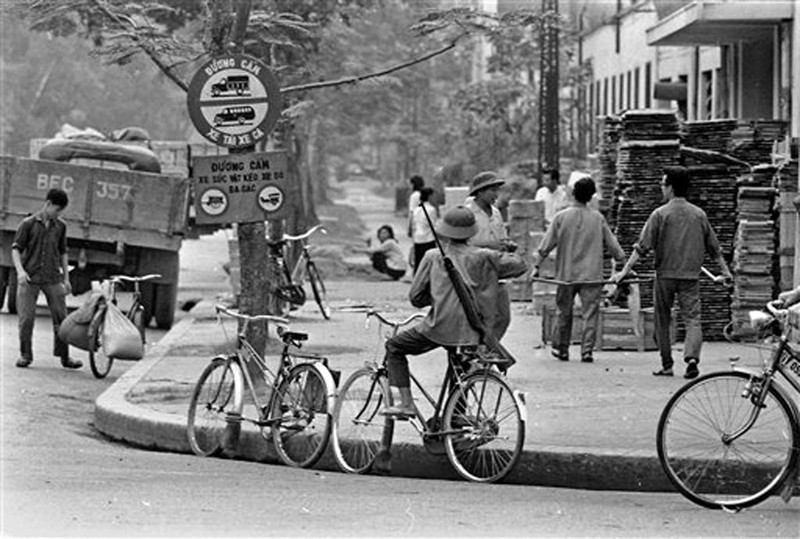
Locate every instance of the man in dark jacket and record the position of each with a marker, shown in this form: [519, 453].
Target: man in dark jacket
[39, 253]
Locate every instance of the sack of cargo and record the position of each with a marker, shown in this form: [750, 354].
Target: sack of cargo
[77, 329]
[121, 338]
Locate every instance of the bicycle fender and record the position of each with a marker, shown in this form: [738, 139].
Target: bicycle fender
[330, 399]
[238, 383]
[521, 398]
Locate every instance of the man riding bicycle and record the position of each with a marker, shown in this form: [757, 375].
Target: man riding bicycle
[446, 324]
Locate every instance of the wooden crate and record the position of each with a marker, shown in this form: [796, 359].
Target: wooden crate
[615, 331]
[618, 332]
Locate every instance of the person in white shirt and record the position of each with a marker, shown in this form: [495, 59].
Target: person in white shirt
[553, 194]
[417, 183]
[421, 232]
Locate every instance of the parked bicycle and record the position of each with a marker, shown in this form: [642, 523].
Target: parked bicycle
[290, 288]
[99, 362]
[478, 420]
[728, 440]
[296, 414]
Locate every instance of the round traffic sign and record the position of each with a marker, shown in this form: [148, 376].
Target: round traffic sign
[271, 198]
[234, 101]
[214, 202]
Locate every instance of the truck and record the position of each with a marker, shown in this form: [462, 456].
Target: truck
[118, 222]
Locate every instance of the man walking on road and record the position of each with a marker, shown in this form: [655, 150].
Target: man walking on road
[579, 233]
[680, 235]
[39, 253]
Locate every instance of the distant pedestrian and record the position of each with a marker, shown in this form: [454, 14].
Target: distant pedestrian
[387, 256]
[579, 234]
[446, 323]
[680, 235]
[40, 258]
[553, 194]
[417, 183]
[492, 234]
[421, 233]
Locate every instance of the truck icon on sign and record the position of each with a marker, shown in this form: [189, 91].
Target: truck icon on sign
[235, 115]
[235, 84]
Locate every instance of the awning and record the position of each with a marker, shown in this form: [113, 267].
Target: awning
[715, 22]
[670, 91]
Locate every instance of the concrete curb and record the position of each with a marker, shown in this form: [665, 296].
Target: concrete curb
[551, 466]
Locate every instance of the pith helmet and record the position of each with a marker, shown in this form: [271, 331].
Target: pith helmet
[457, 224]
[484, 180]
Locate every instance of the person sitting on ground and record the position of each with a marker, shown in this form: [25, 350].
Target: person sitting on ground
[387, 257]
[446, 324]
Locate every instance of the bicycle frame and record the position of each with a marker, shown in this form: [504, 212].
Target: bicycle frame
[782, 358]
[245, 353]
[453, 379]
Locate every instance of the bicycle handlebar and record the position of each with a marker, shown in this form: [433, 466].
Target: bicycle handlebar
[306, 234]
[120, 278]
[248, 317]
[393, 323]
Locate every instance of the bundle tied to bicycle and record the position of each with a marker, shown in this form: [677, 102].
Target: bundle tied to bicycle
[99, 322]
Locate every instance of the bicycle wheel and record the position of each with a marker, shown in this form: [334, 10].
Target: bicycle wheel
[300, 418]
[318, 288]
[716, 473]
[213, 398]
[486, 428]
[99, 362]
[359, 431]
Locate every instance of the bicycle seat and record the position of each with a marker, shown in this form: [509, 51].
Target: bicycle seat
[296, 336]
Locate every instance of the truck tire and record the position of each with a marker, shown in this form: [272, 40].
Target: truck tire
[166, 296]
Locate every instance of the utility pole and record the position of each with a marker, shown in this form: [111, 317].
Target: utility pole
[548, 88]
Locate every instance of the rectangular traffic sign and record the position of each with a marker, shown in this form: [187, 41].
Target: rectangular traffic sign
[242, 188]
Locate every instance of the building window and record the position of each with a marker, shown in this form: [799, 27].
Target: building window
[621, 92]
[706, 95]
[613, 100]
[628, 90]
[636, 88]
[605, 96]
[597, 104]
[648, 85]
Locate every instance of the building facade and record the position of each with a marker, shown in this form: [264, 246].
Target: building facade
[705, 59]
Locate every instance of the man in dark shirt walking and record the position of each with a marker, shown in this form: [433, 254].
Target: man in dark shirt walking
[680, 235]
[39, 253]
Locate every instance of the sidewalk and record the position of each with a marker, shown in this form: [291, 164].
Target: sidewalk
[589, 425]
